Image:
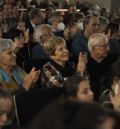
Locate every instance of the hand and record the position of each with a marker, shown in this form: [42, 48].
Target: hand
[115, 100]
[31, 78]
[67, 33]
[26, 34]
[108, 35]
[17, 45]
[82, 61]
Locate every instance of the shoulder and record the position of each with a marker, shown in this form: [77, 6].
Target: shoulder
[78, 35]
[37, 46]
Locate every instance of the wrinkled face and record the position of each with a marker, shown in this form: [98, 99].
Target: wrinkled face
[8, 58]
[93, 25]
[47, 33]
[61, 53]
[5, 108]
[101, 50]
[84, 93]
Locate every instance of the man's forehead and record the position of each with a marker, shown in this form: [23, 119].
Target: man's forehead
[94, 19]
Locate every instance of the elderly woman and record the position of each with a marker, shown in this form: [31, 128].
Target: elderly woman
[58, 68]
[13, 77]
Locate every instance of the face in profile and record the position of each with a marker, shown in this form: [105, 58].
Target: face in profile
[5, 109]
[84, 93]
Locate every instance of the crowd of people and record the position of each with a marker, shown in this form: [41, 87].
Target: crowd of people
[77, 51]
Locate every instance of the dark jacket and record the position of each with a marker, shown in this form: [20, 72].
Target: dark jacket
[53, 71]
[99, 72]
[79, 44]
[38, 52]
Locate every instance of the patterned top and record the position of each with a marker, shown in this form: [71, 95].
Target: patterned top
[11, 83]
[53, 75]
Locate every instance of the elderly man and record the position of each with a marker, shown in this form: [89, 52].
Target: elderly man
[99, 62]
[42, 33]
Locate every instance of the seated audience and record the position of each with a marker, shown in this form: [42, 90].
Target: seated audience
[80, 41]
[99, 61]
[13, 77]
[58, 68]
[41, 35]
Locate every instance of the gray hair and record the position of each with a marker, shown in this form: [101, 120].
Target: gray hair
[39, 31]
[5, 44]
[95, 39]
[54, 17]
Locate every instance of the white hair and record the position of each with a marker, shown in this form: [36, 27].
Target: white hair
[54, 17]
[95, 39]
[39, 31]
[5, 44]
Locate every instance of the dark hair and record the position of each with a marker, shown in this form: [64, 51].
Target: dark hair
[87, 20]
[69, 115]
[35, 13]
[72, 84]
[113, 26]
[12, 34]
[75, 17]
[108, 82]
[70, 5]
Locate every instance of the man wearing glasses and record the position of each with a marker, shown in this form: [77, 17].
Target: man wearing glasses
[99, 62]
